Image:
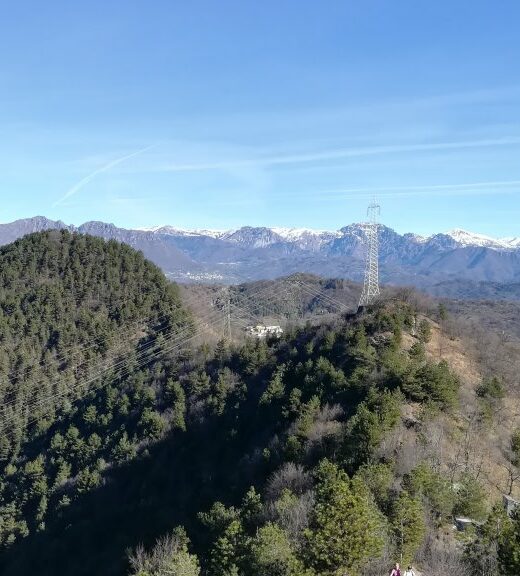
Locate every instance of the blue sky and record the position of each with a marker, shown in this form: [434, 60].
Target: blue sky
[206, 114]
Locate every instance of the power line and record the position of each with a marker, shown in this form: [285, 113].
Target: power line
[141, 359]
[173, 331]
[41, 377]
[325, 297]
[148, 351]
[12, 376]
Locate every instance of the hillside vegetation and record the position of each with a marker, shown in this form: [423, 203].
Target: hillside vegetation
[337, 449]
[73, 311]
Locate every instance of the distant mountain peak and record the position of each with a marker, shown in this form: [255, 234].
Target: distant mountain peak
[465, 238]
[41, 222]
[512, 241]
[292, 234]
[416, 237]
[252, 237]
[173, 231]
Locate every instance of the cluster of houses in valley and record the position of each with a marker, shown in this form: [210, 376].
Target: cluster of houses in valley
[261, 331]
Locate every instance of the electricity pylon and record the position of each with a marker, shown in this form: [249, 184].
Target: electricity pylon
[371, 281]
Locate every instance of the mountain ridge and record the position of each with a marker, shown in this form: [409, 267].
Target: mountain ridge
[295, 234]
[252, 253]
[459, 236]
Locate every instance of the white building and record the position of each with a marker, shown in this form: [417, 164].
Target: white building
[261, 331]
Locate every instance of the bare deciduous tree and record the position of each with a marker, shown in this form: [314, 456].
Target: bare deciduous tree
[290, 476]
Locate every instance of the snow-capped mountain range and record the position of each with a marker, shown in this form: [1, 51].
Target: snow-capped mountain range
[436, 263]
[302, 235]
[464, 238]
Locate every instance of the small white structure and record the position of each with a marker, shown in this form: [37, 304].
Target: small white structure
[462, 524]
[261, 331]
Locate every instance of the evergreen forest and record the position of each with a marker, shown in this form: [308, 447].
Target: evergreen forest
[123, 452]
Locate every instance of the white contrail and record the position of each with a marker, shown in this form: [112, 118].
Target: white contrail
[84, 181]
[341, 154]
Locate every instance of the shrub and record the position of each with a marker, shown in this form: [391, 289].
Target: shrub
[169, 556]
[470, 498]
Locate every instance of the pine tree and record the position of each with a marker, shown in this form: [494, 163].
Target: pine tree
[176, 398]
[271, 554]
[509, 548]
[346, 528]
[409, 526]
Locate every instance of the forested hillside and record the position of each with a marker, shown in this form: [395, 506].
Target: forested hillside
[76, 313]
[337, 449]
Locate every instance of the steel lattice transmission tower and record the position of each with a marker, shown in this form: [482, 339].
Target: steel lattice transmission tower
[371, 281]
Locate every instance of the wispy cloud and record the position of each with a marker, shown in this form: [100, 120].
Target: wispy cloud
[339, 154]
[105, 168]
[483, 187]
[430, 193]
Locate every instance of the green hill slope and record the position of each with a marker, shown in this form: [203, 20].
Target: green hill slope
[74, 311]
[329, 451]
